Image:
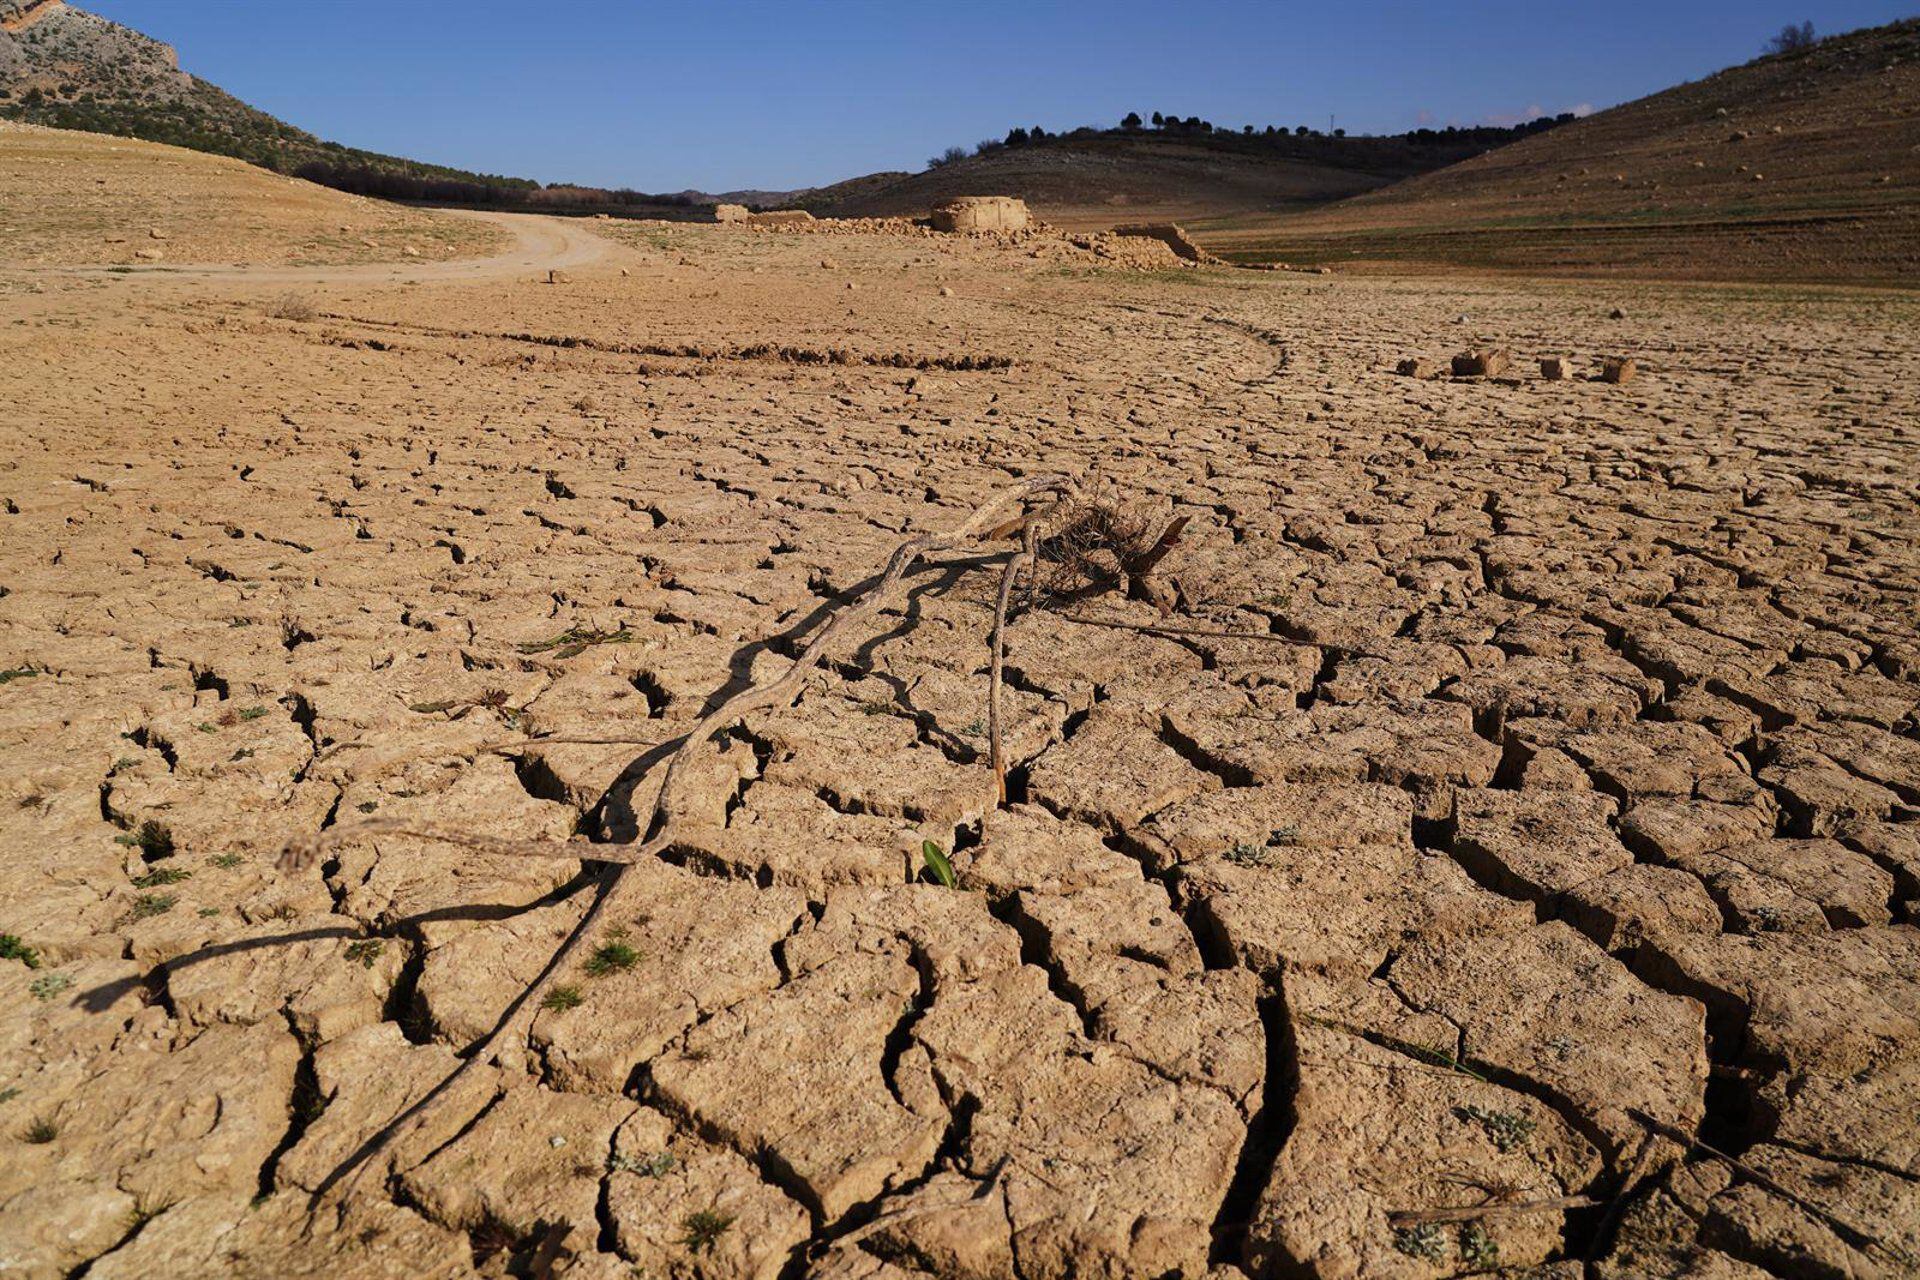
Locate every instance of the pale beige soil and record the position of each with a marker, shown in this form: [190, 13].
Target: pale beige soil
[1572, 791]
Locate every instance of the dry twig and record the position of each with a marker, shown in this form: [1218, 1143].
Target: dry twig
[1858, 1237]
[1491, 1209]
[613, 879]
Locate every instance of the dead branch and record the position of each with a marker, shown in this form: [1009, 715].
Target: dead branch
[989, 516]
[1202, 633]
[1858, 1237]
[995, 751]
[305, 851]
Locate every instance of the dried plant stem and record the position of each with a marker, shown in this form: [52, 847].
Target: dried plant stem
[1491, 1209]
[997, 753]
[1859, 1237]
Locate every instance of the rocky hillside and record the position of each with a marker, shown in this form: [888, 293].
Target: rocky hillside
[68, 68]
[1802, 165]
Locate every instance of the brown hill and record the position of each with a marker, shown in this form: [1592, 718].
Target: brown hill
[76, 199]
[1098, 179]
[1802, 166]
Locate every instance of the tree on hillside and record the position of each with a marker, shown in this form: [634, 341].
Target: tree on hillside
[1016, 137]
[1158, 120]
[1792, 39]
[947, 157]
[1132, 120]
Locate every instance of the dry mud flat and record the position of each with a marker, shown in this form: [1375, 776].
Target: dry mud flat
[1570, 802]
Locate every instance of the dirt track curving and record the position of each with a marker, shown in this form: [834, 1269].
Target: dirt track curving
[536, 244]
[1565, 800]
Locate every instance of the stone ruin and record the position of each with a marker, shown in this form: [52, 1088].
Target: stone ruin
[779, 218]
[981, 213]
[1173, 236]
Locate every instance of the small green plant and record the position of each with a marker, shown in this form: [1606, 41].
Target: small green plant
[1423, 1240]
[704, 1230]
[253, 713]
[152, 839]
[125, 762]
[974, 729]
[149, 905]
[8, 1095]
[1478, 1248]
[49, 985]
[365, 952]
[657, 1165]
[1249, 854]
[611, 956]
[40, 1131]
[575, 641]
[937, 862]
[207, 913]
[559, 999]
[225, 861]
[1288, 834]
[17, 673]
[244, 753]
[11, 948]
[161, 876]
[1509, 1130]
[367, 806]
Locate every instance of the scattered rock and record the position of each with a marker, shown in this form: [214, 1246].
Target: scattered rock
[1480, 364]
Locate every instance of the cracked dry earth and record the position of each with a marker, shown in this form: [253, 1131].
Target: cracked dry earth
[1567, 798]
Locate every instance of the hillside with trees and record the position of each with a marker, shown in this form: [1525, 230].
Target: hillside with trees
[1164, 166]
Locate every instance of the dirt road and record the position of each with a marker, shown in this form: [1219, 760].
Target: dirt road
[540, 244]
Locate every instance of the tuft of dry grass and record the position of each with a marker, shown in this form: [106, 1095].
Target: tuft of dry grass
[293, 306]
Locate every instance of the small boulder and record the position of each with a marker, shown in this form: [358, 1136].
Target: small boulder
[1618, 369]
[1480, 364]
[148, 255]
[1554, 368]
[1417, 367]
[559, 277]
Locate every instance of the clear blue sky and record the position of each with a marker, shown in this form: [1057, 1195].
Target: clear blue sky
[728, 94]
